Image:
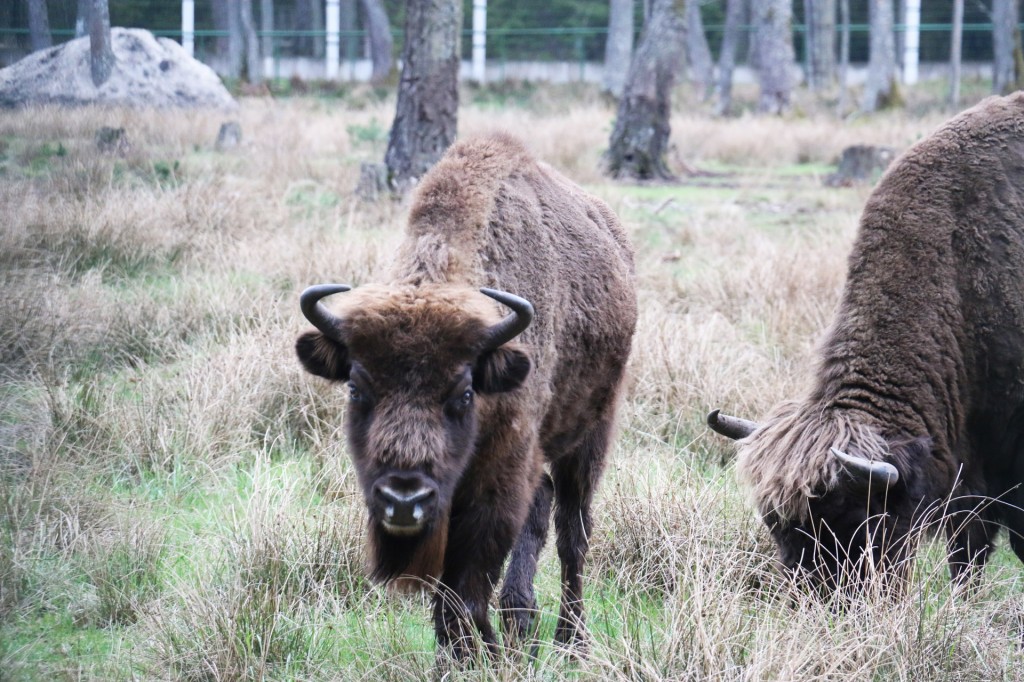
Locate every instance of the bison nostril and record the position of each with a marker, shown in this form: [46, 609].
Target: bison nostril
[405, 509]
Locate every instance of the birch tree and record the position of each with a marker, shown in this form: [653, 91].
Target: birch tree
[38, 25]
[639, 140]
[1005, 46]
[618, 48]
[881, 90]
[428, 94]
[734, 14]
[772, 21]
[378, 30]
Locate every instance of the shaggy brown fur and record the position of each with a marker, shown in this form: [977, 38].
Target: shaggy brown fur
[479, 425]
[923, 366]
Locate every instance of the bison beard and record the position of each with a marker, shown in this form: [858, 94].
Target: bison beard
[458, 407]
[913, 420]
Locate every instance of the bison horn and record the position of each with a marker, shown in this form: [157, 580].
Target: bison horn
[514, 324]
[731, 427]
[881, 474]
[317, 313]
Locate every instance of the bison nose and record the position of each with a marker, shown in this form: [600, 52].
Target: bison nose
[406, 502]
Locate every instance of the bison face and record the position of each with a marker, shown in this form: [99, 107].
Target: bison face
[848, 537]
[838, 518]
[422, 367]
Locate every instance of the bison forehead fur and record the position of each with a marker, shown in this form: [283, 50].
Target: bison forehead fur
[463, 430]
[923, 365]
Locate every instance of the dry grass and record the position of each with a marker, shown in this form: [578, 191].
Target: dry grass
[176, 498]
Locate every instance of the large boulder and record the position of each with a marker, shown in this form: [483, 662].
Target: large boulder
[148, 72]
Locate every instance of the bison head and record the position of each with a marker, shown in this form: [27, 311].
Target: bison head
[837, 516]
[417, 360]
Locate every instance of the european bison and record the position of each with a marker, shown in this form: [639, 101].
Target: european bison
[917, 408]
[454, 411]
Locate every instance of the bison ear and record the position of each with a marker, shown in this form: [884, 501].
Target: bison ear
[499, 370]
[322, 356]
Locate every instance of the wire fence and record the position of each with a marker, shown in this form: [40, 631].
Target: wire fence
[575, 48]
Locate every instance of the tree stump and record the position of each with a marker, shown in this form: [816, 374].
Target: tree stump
[859, 164]
[112, 140]
[373, 181]
[229, 136]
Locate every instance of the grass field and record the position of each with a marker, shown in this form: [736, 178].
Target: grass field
[177, 502]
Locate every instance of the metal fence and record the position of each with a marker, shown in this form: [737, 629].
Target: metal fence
[566, 53]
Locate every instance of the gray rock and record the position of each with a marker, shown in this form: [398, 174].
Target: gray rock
[148, 72]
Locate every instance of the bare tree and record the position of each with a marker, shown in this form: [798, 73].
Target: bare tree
[844, 55]
[82, 19]
[698, 54]
[955, 46]
[378, 30]
[426, 114]
[772, 21]
[820, 17]
[243, 48]
[1005, 46]
[38, 25]
[101, 54]
[618, 48]
[734, 13]
[639, 141]
[253, 67]
[221, 11]
[267, 26]
[881, 89]
[348, 44]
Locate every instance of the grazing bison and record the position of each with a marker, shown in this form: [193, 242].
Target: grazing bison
[454, 411]
[917, 408]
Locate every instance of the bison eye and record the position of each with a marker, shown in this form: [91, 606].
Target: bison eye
[466, 398]
[354, 394]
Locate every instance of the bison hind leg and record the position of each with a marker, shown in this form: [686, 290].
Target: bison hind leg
[575, 476]
[517, 600]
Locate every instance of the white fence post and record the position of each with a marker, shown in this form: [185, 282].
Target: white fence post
[911, 41]
[479, 40]
[333, 39]
[188, 26]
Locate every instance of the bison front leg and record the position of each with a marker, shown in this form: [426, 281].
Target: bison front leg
[460, 617]
[480, 538]
[518, 601]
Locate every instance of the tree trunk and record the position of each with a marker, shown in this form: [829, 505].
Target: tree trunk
[253, 67]
[734, 13]
[348, 45]
[772, 23]
[1004, 24]
[38, 25]
[82, 19]
[698, 54]
[221, 11]
[640, 139]
[101, 55]
[236, 39]
[821, 43]
[316, 16]
[955, 46]
[844, 56]
[618, 48]
[378, 30]
[267, 27]
[881, 90]
[428, 92]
